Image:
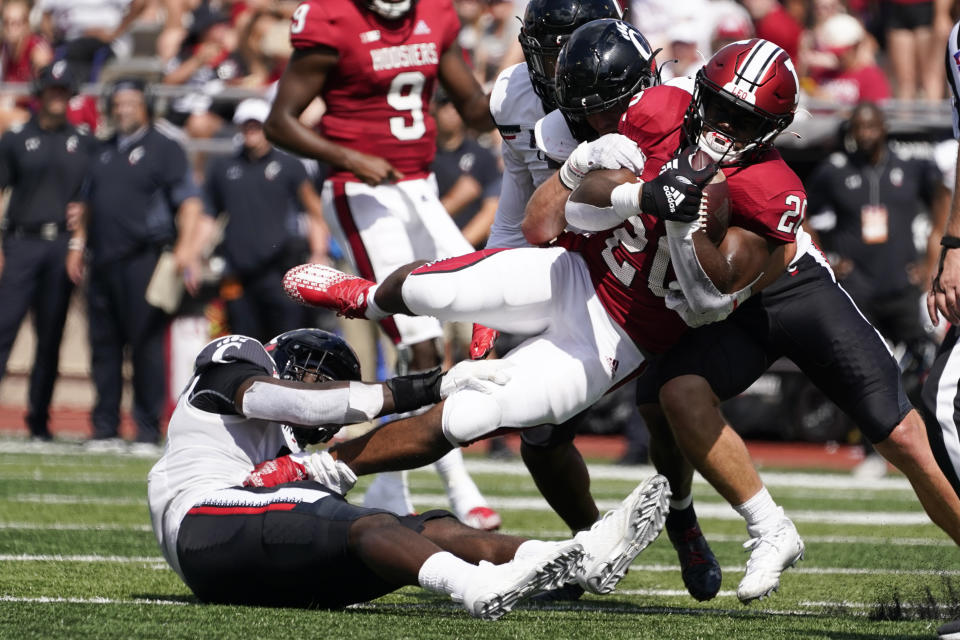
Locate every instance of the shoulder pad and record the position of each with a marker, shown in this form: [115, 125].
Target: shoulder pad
[513, 100]
[234, 349]
[554, 137]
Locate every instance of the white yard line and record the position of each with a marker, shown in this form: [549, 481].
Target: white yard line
[704, 511]
[553, 534]
[56, 600]
[90, 558]
[797, 480]
[70, 526]
[650, 568]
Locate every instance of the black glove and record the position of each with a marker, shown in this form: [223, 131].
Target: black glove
[675, 193]
[415, 391]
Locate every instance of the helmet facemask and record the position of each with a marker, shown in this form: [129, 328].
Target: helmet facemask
[390, 10]
[541, 60]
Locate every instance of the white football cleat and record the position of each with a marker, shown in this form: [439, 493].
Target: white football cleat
[771, 553]
[615, 540]
[497, 588]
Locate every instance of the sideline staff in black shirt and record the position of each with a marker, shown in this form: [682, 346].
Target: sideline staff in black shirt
[139, 191]
[262, 190]
[43, 163]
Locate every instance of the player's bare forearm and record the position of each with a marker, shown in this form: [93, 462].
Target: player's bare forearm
[465, 92]
[301, 82]
[737, 262]
[544, 216]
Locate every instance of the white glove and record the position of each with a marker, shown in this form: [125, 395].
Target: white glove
[676, 301]
[610, 151]
[479, 375]
[322, 468]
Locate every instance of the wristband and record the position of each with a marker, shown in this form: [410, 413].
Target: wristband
[569, 177]
[950, 242]
[625, 199]
[415, 391]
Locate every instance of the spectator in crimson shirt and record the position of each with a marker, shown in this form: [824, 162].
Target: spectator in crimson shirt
[22, 54]
[855, 79]
[773, 23]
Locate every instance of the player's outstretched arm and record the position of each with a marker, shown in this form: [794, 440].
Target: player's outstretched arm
[465, 92]
[348, 402]
[302, 80]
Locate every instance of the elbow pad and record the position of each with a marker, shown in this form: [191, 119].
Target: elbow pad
[701, 294]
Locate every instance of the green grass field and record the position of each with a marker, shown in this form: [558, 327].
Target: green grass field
[78, 560]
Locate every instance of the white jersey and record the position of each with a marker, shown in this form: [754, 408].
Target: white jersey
[953, 74]
[205, 452]
[516, 108]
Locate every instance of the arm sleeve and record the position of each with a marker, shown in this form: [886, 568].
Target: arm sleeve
[701, 294]
[313, 406]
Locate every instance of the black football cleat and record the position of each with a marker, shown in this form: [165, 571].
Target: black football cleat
[698, 565]
[569, 592]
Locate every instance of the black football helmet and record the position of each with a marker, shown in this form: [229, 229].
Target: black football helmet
[547, 24]
[302, 351]
[602, 65]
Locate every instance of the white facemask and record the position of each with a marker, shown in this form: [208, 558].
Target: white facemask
[717, 146]
[390, 10]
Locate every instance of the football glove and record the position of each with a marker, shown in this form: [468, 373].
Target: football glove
[478, 375]
[675, 193]
[319, 467]
[610, 151]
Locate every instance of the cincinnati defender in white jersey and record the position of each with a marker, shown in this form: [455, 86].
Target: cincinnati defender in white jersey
[242, 527]
[516, 107]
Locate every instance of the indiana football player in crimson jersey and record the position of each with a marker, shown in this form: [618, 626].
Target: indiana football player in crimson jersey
[375, 64]
[742, 98]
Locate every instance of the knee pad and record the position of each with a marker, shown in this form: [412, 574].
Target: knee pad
[469, 415]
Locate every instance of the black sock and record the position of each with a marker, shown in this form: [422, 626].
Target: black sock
[679, 520]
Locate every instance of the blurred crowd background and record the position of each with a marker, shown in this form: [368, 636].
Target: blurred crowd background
[199, 60]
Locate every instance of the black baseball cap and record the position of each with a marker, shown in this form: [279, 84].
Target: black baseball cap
[55, 75]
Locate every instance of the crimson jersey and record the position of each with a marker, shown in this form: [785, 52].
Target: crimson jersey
[378, 95]
[630, 264]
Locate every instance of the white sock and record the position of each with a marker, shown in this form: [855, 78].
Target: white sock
[445, 573]
[390, 491]
[461, 490]
[374, 312]
[680, 505]
[760, 512]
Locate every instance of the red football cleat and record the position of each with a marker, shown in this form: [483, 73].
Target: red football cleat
[483, 518]
[482, 342]
[318, 285]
